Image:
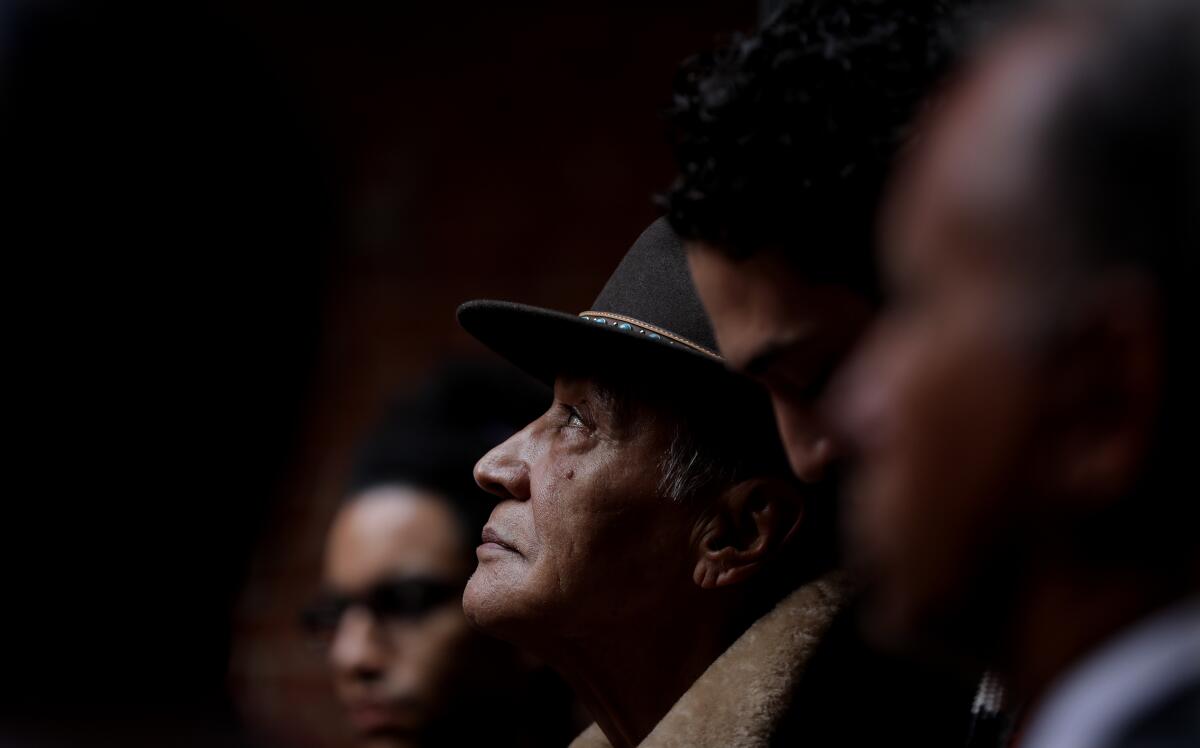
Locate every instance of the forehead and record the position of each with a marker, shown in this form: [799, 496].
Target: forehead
[976, 175]
[763, 303]
[392, 531]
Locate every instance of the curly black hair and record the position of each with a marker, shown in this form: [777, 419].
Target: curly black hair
[784, 139]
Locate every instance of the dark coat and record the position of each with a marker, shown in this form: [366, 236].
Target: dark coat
[853, 695]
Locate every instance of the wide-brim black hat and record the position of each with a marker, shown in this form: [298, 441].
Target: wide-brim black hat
[647, 322]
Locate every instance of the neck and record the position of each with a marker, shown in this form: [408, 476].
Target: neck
[1067, 612]
[629, 678]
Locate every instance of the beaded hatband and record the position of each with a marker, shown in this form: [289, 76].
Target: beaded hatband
[636, 326]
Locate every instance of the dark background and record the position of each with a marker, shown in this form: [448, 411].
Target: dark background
[233, 231]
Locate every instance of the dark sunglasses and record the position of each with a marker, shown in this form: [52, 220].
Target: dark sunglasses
[406, 599]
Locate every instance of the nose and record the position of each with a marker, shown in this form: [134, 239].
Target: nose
[357, 652]
[806, 437]
[503, 471]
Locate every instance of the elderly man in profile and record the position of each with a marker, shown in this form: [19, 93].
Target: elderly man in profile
[652, 545]
[1032, 383]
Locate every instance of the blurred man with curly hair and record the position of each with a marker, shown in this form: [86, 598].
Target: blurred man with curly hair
[783, 142]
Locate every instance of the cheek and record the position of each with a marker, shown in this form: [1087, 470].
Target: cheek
[556, 514]
[599, 530]
[580, 496]
[953, 398]
[955, 404]
[570, 524]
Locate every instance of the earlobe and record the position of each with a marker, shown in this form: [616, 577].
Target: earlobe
[752, 520]
[707, 573]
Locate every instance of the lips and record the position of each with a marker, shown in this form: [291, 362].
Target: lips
[493, 538]
[370, 717]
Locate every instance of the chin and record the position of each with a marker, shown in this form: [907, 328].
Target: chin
[475, 595]
[496, 603]
[485, 600]
[894, 606]
[930, 628]
[889, 625]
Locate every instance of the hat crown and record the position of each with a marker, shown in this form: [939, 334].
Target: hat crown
[653, 285]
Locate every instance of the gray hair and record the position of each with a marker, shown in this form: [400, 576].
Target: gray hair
[714, 442]
[689, 467]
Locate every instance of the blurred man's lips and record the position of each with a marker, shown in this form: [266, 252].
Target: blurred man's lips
[374, 716]
[493, 543]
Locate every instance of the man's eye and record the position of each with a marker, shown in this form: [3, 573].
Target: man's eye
[323, 616]
[573, 418]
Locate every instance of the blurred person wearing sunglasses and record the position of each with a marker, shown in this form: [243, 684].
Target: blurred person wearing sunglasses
[1023, 413]
[406, 664]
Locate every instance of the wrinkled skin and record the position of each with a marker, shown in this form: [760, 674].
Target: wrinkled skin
[585, 539]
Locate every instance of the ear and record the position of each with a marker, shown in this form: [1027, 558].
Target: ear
[749, 523]
[1107, 394]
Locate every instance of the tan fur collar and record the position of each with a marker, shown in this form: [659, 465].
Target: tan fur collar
[744, 693]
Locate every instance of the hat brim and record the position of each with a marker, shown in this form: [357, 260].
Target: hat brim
[546, 344]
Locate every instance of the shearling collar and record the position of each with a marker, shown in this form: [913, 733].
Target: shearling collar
[741, 697]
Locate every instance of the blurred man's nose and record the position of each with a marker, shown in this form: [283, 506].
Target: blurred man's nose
[357, 651]
[503, 471]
